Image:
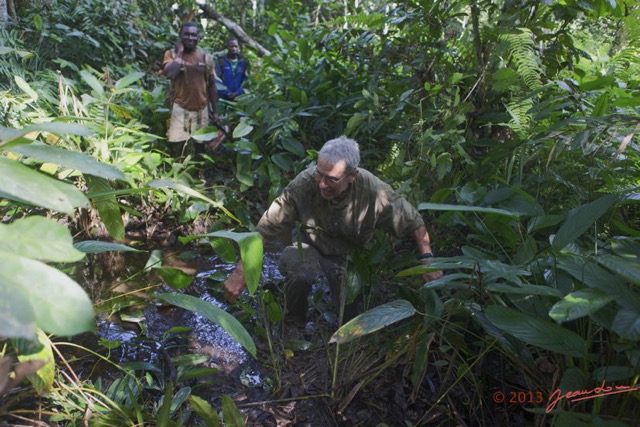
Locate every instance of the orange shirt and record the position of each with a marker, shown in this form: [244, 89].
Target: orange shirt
[190, 87]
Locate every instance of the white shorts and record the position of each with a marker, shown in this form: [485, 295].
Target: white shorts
[183, 123]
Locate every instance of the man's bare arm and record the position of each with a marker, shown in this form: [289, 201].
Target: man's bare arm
[423, 242]
[173, 68]
[235, 284]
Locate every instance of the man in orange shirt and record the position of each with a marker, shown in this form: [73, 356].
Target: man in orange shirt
[193, 89]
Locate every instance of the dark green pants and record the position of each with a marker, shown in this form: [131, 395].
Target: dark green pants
[301, 268]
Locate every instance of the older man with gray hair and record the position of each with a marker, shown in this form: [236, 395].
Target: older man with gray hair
[331, 210]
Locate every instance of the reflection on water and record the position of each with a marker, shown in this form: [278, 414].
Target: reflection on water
[141, 331]
[209, 338]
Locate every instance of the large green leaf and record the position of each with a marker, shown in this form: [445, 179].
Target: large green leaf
[38, 351]
[293, 146]
[179, 398]
[354, 122]
[580, 219]
[23, 184]
[515, 345]
[58, 128]
[452, 263]
[92, 81]
[216, 315]
[197, 372]
[578, 304]
[69, 159]
[128, 80]
[612, 373]
[22, 84]
[373, 320]
[23, 54]
[204, 409]
[462, 208]
[537, 331]
[97, 246]
[225, 249]
[232, 416]
[174, 277]
[594, 276]
[450, 281]
[9, 134]
[39, 238]
[244, 172]
[627, 324]
[107, 205]
[627, 267]
[53, 301]
[251, 252]
[205, 134]
[17, 318]
[242, 129]
[543, 221]
[525, 289]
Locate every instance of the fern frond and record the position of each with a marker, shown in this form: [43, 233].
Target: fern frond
[520, 121]
[627, 62]
[632, 26]
[370, 21]
[523, 53]
[393, 154]
[364, 21]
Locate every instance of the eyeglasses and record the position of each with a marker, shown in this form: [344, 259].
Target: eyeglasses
[330, 180]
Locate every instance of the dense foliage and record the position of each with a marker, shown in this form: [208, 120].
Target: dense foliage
[511, 125]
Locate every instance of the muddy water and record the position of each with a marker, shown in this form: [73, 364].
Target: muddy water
[142, 330]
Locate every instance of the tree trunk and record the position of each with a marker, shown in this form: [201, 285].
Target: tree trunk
[12, 10]
[4, 13]
[236, 29]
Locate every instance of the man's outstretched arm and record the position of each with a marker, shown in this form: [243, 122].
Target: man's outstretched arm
[235, 284]
[423, 242]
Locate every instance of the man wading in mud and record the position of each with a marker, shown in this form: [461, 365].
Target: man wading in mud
[336, 206]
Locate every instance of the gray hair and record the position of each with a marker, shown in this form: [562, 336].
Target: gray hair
[342, 148]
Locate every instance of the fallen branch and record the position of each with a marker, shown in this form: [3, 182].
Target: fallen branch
[236, 29]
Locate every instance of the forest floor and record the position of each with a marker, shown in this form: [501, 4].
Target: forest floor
[297, 378]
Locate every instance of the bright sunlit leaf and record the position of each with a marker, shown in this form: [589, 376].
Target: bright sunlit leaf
[38, 355]
[97, 246]
[373, 320]
[39, 238]
[174, 277]
[100, 192]
[205, 411]
[68, 159]
[24, 184]
[251, 253]
[36, 295]
[579, 304]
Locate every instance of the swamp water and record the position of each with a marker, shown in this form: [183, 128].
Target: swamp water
[139, 332]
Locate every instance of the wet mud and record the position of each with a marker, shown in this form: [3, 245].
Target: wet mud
[297, 378]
